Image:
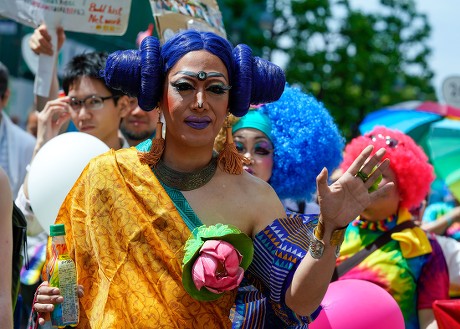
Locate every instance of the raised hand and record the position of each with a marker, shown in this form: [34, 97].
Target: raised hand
[346, 198]
[40, 41]
[55, 114]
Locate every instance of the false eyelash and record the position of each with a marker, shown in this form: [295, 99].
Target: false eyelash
[181, 86]
[218, 89]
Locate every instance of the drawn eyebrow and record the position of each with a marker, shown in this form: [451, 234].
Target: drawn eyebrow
[201, 75]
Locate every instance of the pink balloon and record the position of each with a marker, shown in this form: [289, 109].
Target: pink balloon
[358, 304]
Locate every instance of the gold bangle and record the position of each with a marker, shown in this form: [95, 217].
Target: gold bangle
[319, 230]
[337, 236]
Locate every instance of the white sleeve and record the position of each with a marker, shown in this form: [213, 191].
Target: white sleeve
[33, 226]
[451, 249]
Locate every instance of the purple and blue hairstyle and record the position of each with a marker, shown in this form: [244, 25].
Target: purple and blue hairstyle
[141, 73]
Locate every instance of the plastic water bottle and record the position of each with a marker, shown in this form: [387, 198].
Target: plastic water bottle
[63, 275]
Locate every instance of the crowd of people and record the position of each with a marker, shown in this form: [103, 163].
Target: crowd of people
[228, 197]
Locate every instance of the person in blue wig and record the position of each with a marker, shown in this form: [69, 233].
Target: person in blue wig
[288, 143]
[162, 234]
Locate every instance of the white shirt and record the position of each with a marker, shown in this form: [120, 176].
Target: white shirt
[17, 147]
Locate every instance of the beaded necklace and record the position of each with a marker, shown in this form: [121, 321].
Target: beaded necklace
[185, 181]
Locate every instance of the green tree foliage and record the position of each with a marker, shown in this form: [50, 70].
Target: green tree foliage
[354, 61]
[248, 22]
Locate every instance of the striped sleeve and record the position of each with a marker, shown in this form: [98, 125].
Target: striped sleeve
[278, 250]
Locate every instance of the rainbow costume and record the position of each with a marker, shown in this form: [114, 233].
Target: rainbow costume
[438, 209]
[411, 267]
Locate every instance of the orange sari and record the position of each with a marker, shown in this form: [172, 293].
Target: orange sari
[127, 237]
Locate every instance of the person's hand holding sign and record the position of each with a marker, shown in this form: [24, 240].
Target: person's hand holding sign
[40, 41]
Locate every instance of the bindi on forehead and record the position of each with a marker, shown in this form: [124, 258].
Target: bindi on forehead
[201, 75]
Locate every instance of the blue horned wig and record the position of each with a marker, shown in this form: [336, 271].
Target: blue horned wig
[141, 73]
[306, 139]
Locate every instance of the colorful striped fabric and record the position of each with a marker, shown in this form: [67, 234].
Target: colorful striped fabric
[414, 282]
[30, 273]
[436, 210]
[279, 249]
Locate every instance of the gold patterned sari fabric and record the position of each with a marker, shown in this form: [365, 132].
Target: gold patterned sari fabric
[127, 239]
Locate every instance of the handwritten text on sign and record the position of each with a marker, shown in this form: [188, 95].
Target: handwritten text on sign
[109, 17]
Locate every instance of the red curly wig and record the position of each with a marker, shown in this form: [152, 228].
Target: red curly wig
[408, 161]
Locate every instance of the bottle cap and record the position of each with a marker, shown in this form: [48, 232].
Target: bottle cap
[57, 229]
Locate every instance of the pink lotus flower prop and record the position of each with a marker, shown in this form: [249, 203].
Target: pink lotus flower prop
[217, 268]
[215, 258]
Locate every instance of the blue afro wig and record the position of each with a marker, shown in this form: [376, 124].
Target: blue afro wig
[306, 139]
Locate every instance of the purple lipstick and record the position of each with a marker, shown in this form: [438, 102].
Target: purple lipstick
[198, 122]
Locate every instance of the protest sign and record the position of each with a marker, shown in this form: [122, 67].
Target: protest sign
[108, 17]
[172, 16]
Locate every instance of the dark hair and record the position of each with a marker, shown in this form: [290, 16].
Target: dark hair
[4, 75]
[141, 72]
[86, 65]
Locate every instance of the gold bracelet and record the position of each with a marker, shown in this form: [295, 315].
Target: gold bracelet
[337, 236]
[319, 230]
[317, 247]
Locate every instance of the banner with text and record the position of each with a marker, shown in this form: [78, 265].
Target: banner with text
[108, 17]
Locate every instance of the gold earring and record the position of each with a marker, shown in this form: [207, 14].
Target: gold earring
[152, 157]
[229, 159]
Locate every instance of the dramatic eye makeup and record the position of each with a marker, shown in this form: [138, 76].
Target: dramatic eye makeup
[217, 88]
[182, 85]
[239, 147]
[261, 148]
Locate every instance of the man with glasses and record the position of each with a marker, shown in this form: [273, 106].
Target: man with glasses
[93, 107]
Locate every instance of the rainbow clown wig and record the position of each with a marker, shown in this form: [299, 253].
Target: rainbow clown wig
[141, 73]
[305, 140]
[414, 174]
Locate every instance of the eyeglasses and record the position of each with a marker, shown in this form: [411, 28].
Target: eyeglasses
[389, 141]
[260, 149]
[92, 102]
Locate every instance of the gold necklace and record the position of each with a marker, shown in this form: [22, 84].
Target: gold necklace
[185, 181]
